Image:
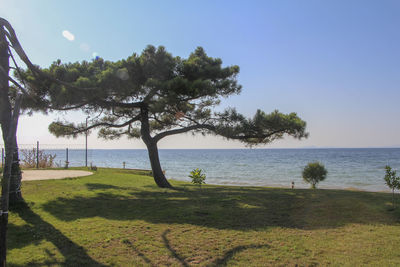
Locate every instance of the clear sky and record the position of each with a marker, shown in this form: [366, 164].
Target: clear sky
[336, 63]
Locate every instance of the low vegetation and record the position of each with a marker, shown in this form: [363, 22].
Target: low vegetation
[392, 181]
[314, 173]
[198, 177]
[119, 218]
[31, 157]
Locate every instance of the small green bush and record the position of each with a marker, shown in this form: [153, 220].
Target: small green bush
[392, 181]
[313, 173]
[197, 177]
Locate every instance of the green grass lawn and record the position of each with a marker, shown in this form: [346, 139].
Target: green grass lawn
[119, 218]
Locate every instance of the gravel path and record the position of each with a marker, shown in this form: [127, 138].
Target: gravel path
[30, 175]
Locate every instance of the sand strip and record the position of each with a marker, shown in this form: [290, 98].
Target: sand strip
[29, 175]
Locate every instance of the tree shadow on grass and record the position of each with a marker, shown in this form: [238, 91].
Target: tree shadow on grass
[98, 186]
[228, 255]
[212, 208]
[172, 250]
[220, 261]
[241, 208]
[37, 230]
[104, 187]
[139, 253]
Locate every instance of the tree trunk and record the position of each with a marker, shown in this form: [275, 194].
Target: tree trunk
[10, 145]
[158, 174]
[5, 186]
[393, 197]
[152, 149]
[5, 106]
[5, 119]
[16, 177]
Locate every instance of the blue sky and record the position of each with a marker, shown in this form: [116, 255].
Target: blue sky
[335, 63]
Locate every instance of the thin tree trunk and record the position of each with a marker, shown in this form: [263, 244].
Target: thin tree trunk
[393, 197]
[152, 149]
[5, 182]
[5, 186]
[16, 177]
[5, 106]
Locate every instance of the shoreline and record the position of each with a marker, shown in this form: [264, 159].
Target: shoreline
[281, 186]
[31, 175]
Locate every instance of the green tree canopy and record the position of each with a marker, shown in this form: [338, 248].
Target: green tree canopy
[313, 173]
[151, 96]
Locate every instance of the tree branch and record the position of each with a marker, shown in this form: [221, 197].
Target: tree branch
[68, 108]
[259, 136]
[121, 105]
[106, 124]
[150, 95]
[23, 90]
[21, 53]
[159, 136]
[214, 129]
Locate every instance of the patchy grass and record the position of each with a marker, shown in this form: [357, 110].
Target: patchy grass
[119, 218]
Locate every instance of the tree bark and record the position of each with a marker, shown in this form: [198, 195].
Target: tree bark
[5, 106]
[158, 174]
[152, 149]
[16, 177]
[10, 145]
[5, 186]
[5, 119]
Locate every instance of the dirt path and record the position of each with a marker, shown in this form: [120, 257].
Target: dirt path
[29, 175]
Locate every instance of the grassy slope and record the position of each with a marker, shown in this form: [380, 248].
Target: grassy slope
[121, 219]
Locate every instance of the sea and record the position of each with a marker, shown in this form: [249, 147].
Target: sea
[348, 168]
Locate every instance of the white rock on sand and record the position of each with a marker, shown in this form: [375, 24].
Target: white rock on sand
[29, 175]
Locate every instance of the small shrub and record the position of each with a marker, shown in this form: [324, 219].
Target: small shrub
[197, 177]
[313, 173]
[392, 181]
[29, 159]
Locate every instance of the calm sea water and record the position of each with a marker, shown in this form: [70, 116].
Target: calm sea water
[347, 168]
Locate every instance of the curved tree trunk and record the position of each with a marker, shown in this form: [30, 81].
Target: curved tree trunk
[158, 174]
[152, 149]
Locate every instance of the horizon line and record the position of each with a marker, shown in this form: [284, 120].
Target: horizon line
[240, 148]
